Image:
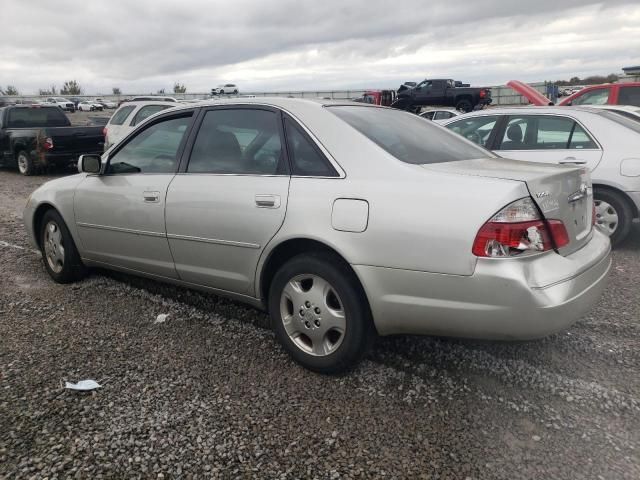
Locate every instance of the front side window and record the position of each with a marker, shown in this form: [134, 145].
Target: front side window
[599, 96]
[121, 115]
[152, 150]
[146, 112]
[442, 115]
[407, 137]
[428, 115]
[476, 129]
[240, 141]
[629, 96]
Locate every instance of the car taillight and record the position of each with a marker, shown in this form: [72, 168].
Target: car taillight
[483, 93]
[104, 131]
[516, 229]
[48, 143]
[593, 214]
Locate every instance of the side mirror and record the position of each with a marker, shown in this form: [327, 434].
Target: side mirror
[89, 164]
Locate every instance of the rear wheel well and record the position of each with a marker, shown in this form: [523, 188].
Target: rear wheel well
[630, 203]
[289, 249]
[37, 220]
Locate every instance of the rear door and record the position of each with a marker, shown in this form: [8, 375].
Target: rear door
[230, 198]
[555, 139]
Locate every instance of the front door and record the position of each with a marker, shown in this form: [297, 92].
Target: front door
[120, 214]
[549, 139]
[230, 199]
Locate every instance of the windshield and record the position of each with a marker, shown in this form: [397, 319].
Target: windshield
[633, 124]
[408, 137]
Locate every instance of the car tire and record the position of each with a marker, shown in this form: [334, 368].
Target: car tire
[221, 92]
[319, 313]
[613, 214]
[235, 92]
[59, 253]
[464, 106]
[26, 165]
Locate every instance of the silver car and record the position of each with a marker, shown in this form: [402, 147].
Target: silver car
[605, 142]
[342, 220]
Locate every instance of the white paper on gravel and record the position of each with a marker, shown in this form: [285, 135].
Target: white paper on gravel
[161, 318]
[82, 386]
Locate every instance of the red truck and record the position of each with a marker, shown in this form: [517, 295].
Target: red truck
[607, 94]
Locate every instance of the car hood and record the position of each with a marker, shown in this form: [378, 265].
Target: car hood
[530, 93]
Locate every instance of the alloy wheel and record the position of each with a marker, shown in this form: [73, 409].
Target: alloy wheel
[23, 163]
[313, 315]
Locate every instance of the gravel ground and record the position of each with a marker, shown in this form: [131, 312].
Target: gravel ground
[209, 393]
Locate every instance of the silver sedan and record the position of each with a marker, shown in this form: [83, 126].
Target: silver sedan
[342, 220]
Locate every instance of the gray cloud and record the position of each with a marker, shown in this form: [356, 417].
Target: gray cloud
[287, 44]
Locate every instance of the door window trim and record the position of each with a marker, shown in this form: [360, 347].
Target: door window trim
[179, 153]
[507, 117]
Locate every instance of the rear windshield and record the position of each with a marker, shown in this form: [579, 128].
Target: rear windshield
[407, 136]
[621, 120]
[36, 117]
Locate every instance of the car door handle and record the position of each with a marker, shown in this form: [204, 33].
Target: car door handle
[574, 160]
[268, 201]
[151, 197]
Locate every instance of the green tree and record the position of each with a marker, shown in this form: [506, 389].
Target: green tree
[10, 90]
[71, 87]
[116, 90]
[179, 88]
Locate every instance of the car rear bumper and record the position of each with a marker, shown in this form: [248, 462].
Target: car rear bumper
[515, 299]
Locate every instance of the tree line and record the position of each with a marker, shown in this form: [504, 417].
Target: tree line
[72, 87]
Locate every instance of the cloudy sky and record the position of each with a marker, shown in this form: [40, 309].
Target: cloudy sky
[144, 45]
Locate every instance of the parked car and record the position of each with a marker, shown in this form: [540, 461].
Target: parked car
[89, 106]
[607, 94]
[332, 235]
[628, 111]
[439, 115]
[35, 137]
[225, 89]
[152, 98]
[377, 97]
[128, 116]
[63, 103]
[106, 103]
[75, 101]
[602, 141]
[442, 92]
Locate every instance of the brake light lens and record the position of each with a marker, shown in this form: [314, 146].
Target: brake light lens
[516, 229]
[48, 143]
[483, 93]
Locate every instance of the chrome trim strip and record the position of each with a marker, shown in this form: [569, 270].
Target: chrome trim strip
[216, 241]
[120, 229]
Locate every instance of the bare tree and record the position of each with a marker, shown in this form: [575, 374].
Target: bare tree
[179, 88]
[116, 90]
[52, 90]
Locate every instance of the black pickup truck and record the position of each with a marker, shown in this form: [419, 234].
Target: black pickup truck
[442, 93]
[33, 137]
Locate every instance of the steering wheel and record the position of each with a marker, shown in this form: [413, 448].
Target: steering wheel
[475, 137]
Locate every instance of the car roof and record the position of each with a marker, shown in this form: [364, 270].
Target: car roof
[143, 103]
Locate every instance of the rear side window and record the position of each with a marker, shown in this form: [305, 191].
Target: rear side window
[146, 112]
[306, 158]
[36, 117]
[121, 115]
[239, 141]
[540, 132]
[629, 96]
[408, 137]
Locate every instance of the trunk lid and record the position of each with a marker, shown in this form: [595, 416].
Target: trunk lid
[561, 192]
